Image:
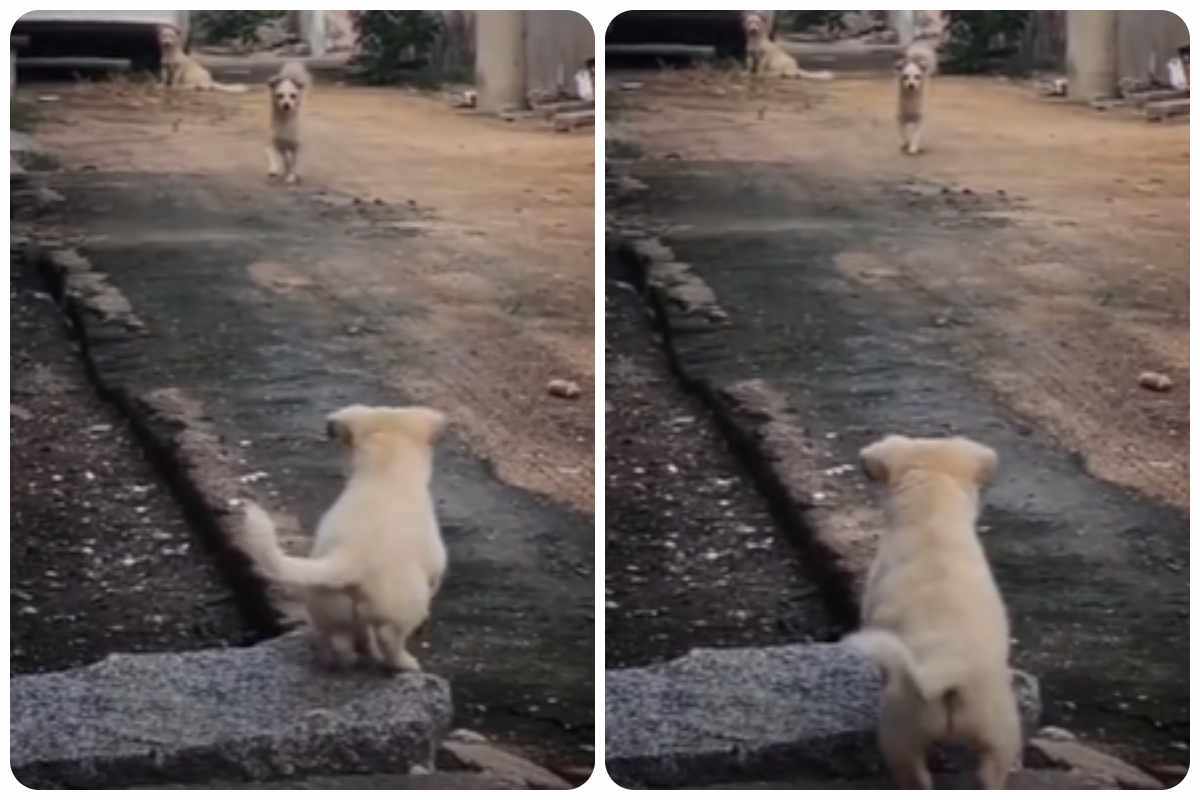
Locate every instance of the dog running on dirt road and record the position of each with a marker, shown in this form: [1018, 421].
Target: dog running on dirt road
[765, 57]
[378, 558]
[914, 71]
[181, 71]
[933, 618]
[288, 88]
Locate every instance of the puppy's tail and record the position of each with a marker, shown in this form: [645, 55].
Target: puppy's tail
[258, 540]
[891, 653]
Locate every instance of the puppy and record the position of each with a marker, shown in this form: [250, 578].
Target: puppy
[765, 57]
[378, 557]
[288, 88]
[933, 618]
[914, 70]
[179, 70]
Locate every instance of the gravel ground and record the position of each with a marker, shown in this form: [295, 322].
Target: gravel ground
[694, 558]
[101, 559]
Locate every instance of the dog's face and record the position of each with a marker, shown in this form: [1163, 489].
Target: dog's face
[168, 37]
[912, 74]
[286, 94]
[888, 460]
[360, 427]
[753, 24]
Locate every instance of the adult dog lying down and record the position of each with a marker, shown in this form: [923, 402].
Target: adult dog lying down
[933, 618]
[378, 557]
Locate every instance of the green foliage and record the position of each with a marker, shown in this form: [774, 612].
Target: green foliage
[979, 39]
[397, 45]
[227, 27]
[803, 20]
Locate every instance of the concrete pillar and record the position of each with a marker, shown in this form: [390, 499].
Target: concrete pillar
[1091, 54]
[500, 60]
[905, 25]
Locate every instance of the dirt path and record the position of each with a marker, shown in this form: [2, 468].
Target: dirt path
[981, 289]
[429, 256]
[1081, 285]
[505, 272]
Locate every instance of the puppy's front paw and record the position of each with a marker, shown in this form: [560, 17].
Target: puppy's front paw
[292, 178]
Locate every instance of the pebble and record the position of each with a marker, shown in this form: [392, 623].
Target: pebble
[1155, 381]
[559, 387]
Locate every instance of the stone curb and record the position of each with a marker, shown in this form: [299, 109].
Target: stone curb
[188, 451]
[258, 713]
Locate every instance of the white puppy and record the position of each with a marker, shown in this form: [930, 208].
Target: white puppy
[378, 557]
[914, 69]
[765, 57]
[181, 71]
[933, 618]
[288, 88]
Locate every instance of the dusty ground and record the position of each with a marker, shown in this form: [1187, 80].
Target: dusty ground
[506, 272]
[693, 556]
[102, 560]
[1067, 309]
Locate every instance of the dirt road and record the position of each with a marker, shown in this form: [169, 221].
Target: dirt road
[1079, 285]
[429, 256]
[505, 212]
[1010, 284]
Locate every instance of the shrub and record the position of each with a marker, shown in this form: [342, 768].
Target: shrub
[978, 40]
[395, 45]
[230, 27]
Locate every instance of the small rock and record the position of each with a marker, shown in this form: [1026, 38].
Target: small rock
[1055, 734]
[419, 769]
[1155, 381]
[465, 735]
[568, 390]
[630, 86]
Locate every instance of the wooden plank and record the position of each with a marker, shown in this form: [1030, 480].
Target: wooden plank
[1156, 112]
[1140, 99]
[573, 119]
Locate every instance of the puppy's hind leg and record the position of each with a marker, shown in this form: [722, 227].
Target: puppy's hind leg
[393, 642]
[998, 754]
[903, 746]
[336, 650]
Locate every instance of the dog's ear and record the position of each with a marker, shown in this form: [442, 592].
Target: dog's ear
[881, 459]
[899, 65]
[274, 81]
[423, 424]
[342, 425]
[982, 459]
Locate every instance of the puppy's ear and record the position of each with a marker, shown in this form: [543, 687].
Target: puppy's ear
[424, 424]
[984, 462]
[881, 459]
[341, 425]
[274, 81]
[899, 65]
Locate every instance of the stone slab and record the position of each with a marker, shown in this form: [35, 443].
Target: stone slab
[716, 716]
[259, 713]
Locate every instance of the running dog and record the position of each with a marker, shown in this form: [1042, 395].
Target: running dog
[288, 89]
[914, 70]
